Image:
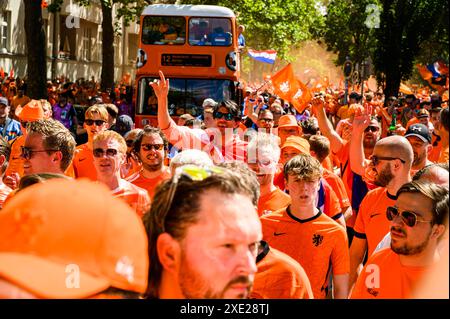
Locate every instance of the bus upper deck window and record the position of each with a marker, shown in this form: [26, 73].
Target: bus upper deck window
[210, 31]
[163, 30]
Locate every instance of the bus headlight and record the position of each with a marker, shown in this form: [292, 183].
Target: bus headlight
[231, 61]
[141, 58]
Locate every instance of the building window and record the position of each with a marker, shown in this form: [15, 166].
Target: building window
[5, 23]
[86, 50]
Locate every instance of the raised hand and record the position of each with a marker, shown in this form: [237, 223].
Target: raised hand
[161, 87]
[317, 103]
[362, 119]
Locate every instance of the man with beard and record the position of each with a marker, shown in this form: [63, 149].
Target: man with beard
[220, 142]
[263, 155]
[389, 168]
[150, 148]
[355, 186]
[419, 137]
[418, 221]
[199, 249]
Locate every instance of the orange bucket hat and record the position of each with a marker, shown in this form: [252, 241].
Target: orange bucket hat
[287, 121]
[83, 230]
[32, 111]
[297, 142]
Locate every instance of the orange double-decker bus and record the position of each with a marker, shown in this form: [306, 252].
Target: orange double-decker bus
[196, 47]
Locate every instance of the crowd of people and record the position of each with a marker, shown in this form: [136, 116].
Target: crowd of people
[347, 199]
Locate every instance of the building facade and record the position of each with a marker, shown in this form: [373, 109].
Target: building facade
[73, 38]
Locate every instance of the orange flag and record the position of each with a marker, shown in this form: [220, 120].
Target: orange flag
[291, 89]
[2, 73]
[405, 89]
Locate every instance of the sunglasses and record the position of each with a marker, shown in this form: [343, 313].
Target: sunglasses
[376, 159]
[266, 120]
[110, 152]
[409, 218]
[130, 143]
[27, 152]
[149, 147]
[226, 116]
[372, 129]
[89, 122]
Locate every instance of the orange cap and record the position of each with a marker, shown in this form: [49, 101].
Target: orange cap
[297, 142]
[32, 111]
[47, 235]
[287, 120]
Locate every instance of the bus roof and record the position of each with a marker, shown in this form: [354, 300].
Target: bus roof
[188, 10]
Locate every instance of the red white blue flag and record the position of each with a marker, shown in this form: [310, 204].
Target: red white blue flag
[267, 56]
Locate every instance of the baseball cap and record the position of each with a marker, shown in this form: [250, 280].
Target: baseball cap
[209, 102]
[287, 121]
[4, 100]
[32, 111]
[83, 229]
[297, 142]
[423, 113]
[420, 131]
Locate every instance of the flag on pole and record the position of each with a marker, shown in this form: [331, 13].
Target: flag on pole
[291, 89]
[267, 56]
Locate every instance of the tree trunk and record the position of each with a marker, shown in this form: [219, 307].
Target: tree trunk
[107, 79]
[36, 50]
[393, 79]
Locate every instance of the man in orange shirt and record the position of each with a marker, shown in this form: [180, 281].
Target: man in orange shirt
[5, 152]
[109, 155]
[444, 129]
[66, 239]
[307, 235]
[419, 137]
[389, 168]
[96, 121]
[150, 148]
[288, 126]
[279, 276]
[204, 235]
[418, 221]
[263, 154]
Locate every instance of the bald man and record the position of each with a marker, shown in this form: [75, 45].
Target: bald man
[388, 167]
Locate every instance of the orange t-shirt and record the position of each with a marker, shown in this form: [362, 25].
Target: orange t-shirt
[15, 160]
[338, 187]
[328, 163]
[318, 244]
[149, 184]
[137, 198]
[443, 156]
[130, 167]
[4, 192]
[332, 207]
[436, 141]
[83, 163]
[372, 223]
[412, 121]
[273, 201]
[387, 278]
[280, 277]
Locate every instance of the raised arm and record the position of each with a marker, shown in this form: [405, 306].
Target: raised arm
[325, 125]
[357, 158]
[161, 89]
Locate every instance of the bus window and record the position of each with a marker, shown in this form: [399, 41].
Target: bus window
[185, 95]
[210, 31]
[163, 30]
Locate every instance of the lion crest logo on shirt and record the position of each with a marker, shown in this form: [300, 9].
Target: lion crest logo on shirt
[317, 239]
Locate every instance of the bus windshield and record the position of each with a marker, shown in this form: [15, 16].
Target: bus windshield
[210, 31]
[163, 30]
[185, 95]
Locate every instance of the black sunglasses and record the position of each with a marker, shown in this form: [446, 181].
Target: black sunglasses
[376, 159]
[266, 120]
[372, 129]
[409, 218]
[149, 147]
[27, 152]
[110, 152]
[89, 122]
[226, 116]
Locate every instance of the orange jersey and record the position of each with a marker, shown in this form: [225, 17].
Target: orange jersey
[273, 201]
[319, 244]
[149, 184]
[372, 223]
[384, 277]
[15, 160]
[444, 155]
[83, 163]
[338, 187]
[332, 206]
[436, 141]
[280, 277]
[4, 192]
[129, 168]
[328, 163]
[134, 196]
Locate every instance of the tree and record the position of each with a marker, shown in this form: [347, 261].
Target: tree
[405, 27]
[36, 54]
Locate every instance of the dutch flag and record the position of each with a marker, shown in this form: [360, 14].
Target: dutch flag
[267, 56]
